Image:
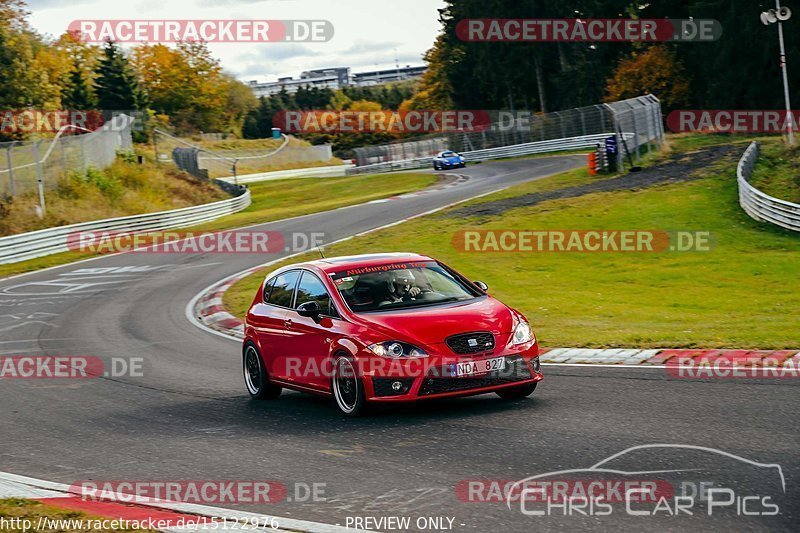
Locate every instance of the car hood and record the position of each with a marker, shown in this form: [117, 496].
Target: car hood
[432, 325]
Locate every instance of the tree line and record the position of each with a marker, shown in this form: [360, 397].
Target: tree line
[181, 87]
[185, 88]
[738, 71]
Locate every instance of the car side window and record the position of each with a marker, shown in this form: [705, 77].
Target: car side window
[282, 290]
[311, 289]
[268, 288]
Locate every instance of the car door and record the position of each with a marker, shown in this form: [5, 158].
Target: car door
[269, 321]
[312, 338]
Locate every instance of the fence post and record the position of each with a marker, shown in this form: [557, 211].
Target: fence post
[155, 143]
[561, 122]
[83, 153]
[659, 123]
[39, 177]
[11, 186]
[61, 143]
[635, 132]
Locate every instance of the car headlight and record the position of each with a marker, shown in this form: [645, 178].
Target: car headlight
[522, 333]
[396, 349]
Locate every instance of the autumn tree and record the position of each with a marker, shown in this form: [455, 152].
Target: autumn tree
[29, 70]
[654, 70]
[188, 84]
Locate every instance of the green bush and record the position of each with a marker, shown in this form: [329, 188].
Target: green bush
[77, 183]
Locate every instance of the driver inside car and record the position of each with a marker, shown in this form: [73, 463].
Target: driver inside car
[402, 287]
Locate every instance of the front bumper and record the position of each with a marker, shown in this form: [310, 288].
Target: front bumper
[434, 379]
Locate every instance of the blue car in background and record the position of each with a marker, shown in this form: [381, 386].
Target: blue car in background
[448, 159]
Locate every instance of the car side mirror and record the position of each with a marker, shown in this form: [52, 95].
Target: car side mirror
[481, 285]
[309, 309]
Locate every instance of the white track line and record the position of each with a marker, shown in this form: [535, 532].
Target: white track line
[28, 487]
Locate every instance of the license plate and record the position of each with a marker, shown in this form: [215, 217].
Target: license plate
[479, 367]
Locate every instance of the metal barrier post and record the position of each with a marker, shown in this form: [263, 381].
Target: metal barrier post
[583, 122]
[11, 186]
[39, 177]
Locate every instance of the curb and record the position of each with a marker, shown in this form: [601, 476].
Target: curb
[208, 308]
[169, 515]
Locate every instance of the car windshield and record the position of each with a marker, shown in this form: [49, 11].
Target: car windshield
[400, 286]
[448, 154]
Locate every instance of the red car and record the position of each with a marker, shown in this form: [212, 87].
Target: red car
[384, 328]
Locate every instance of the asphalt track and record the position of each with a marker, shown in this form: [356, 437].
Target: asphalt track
[188, 416]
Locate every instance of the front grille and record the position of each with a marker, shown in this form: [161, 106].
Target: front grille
[515, 370]
[383, 386]
[468, 343]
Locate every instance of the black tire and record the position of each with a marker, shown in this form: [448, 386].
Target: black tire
[517, 393]
[256, 380]
[435, 167]
[347, 388]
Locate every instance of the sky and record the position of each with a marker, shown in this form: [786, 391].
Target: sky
[368, 33]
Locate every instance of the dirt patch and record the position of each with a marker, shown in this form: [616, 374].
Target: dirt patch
[677, 168]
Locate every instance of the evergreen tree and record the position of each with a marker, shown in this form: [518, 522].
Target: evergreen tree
[78, 94]
[116, 86]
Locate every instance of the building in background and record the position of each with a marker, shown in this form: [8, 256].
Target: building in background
[379, 77]
[336, 78]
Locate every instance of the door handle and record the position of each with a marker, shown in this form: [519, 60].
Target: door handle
[287, 323]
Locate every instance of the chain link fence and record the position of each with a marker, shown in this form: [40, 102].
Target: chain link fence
[28, 166]
[638, 118]
[206, 163]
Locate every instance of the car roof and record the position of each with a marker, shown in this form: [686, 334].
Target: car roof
[336, 264]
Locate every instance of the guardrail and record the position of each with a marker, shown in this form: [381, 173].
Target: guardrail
[516, 150]
[761, 206]
[333, 171]
[15, 248]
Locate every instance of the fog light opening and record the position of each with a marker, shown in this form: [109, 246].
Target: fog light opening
[537, 366]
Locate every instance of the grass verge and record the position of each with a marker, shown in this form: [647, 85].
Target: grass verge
[740, 294]
[124, 188]
[274, 200]
[22, 511]
[777, 171]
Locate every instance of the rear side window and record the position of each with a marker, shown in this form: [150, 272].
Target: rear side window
[311, 289]
[281, 290]
[268, 288]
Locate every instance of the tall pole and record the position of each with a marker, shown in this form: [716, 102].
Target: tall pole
[789, 118]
